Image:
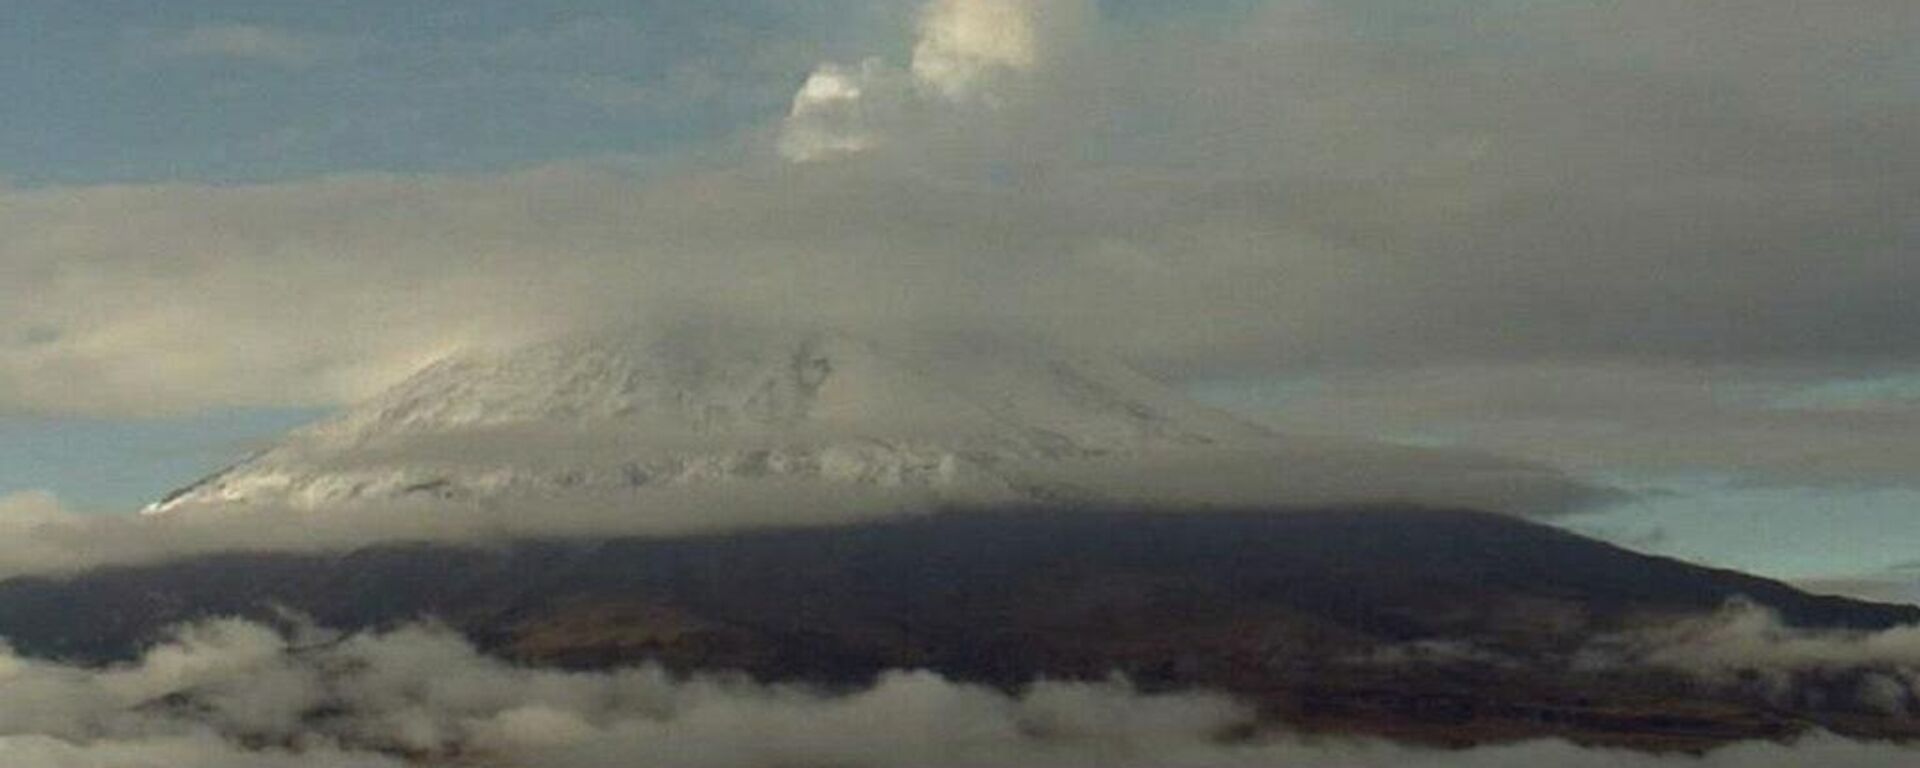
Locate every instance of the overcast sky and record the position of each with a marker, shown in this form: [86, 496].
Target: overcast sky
[1670, 245]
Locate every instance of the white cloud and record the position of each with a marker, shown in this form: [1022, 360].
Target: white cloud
[964, 44]
[841, 111]
[967, 56]
[1747, 647]
[1744, 635]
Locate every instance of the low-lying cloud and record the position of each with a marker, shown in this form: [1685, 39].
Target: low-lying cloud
[1747, 647]
[232, 693]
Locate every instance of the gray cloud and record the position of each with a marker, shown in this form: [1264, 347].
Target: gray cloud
[1774, 425]
[1628, 184]
[227, 692]
[44, 538]
[1618, 180]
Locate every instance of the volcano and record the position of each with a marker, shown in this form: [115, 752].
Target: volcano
[1076, 520]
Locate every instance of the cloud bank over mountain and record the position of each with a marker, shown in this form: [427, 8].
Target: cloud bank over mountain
[1292, 189]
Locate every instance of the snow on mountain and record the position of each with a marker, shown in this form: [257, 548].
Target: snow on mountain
[713, 407]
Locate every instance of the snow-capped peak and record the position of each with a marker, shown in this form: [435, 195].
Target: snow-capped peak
[707, 405]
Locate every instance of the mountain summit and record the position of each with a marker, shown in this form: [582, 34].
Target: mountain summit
[708, 406]
[723, 500]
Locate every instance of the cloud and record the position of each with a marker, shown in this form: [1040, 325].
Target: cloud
[240, 42]
[964, 44]
[1748, 648]
[43, 536]
[230, 693]
[841, 111]
[1777, 425]
[53, 541]
[967, 57]
[29, 509]
[569, 499]
[1310, 472]
[1293, 191]
[1744, 635]
[156, 299]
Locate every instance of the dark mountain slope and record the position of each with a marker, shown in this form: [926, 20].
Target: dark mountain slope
[1286, 608]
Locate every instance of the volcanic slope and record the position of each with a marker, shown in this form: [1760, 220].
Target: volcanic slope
[1434, 626]
[1045, 555]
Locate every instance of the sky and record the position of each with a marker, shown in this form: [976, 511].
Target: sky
[1667, 246]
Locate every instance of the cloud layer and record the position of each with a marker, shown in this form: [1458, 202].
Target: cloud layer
[1293, 189]
[231, 693]
[1805, 424]
[574, 498]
